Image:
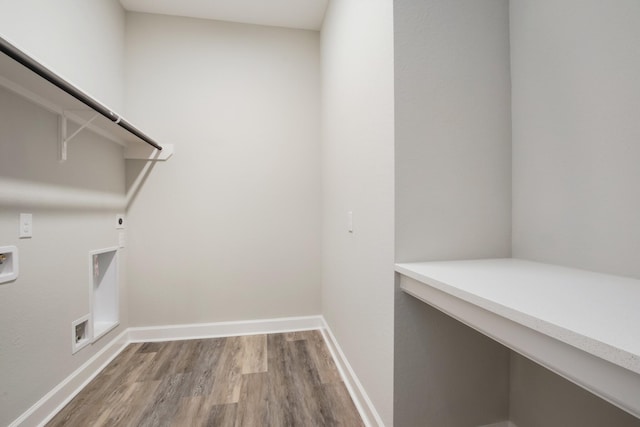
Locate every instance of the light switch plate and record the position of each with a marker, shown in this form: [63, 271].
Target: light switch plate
[26, 226]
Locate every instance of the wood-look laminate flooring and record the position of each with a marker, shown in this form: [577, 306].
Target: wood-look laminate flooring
[275, 380]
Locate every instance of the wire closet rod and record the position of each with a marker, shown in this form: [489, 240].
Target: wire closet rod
[24, 59]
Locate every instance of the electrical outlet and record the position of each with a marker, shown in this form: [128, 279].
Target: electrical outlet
[26, 226]
[80, 333]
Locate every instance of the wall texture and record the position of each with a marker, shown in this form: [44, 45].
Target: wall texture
[540, 398]
[73, 206]
[453, 155]
[229, 227]
[453, 199]
[357, 176]
[73, 203]
[80, 40]
[576, 98]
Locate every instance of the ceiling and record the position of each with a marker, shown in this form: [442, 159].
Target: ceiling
[302, 14]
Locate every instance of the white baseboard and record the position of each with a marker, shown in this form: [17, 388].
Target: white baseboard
[368, 412]
[43, 410]
[224, 329]
[46, 408]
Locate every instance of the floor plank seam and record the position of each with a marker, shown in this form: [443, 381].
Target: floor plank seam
[251, 380]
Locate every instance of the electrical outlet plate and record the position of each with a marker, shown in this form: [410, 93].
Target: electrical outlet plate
[26, 226]
[81, 333]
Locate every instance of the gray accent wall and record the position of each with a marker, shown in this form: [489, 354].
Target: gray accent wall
[540, 398]
[576, 133]
[453, 199]
[576, 176]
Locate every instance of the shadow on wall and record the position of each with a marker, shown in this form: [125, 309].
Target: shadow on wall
[540, 398]
[446, 374]
[137, 172]
[92, 177]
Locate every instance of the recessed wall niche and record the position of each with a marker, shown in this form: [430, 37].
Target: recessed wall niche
[104, 291]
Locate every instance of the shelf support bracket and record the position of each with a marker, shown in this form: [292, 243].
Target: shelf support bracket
[63, 139]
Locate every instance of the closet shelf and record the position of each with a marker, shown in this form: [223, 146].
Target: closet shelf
[582, 325]
[22, 74]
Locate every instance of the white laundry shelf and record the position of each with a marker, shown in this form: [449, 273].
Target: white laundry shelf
[583, 325]
[24, 75]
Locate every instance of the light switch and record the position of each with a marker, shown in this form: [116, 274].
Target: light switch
[26, 226]
[350, 222]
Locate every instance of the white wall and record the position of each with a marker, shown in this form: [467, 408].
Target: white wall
[453, 199]
[73, 206]
[357, 168]
[229, 227]
[576, 97]
[80, 40]
[73, 203]
[453, 155]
